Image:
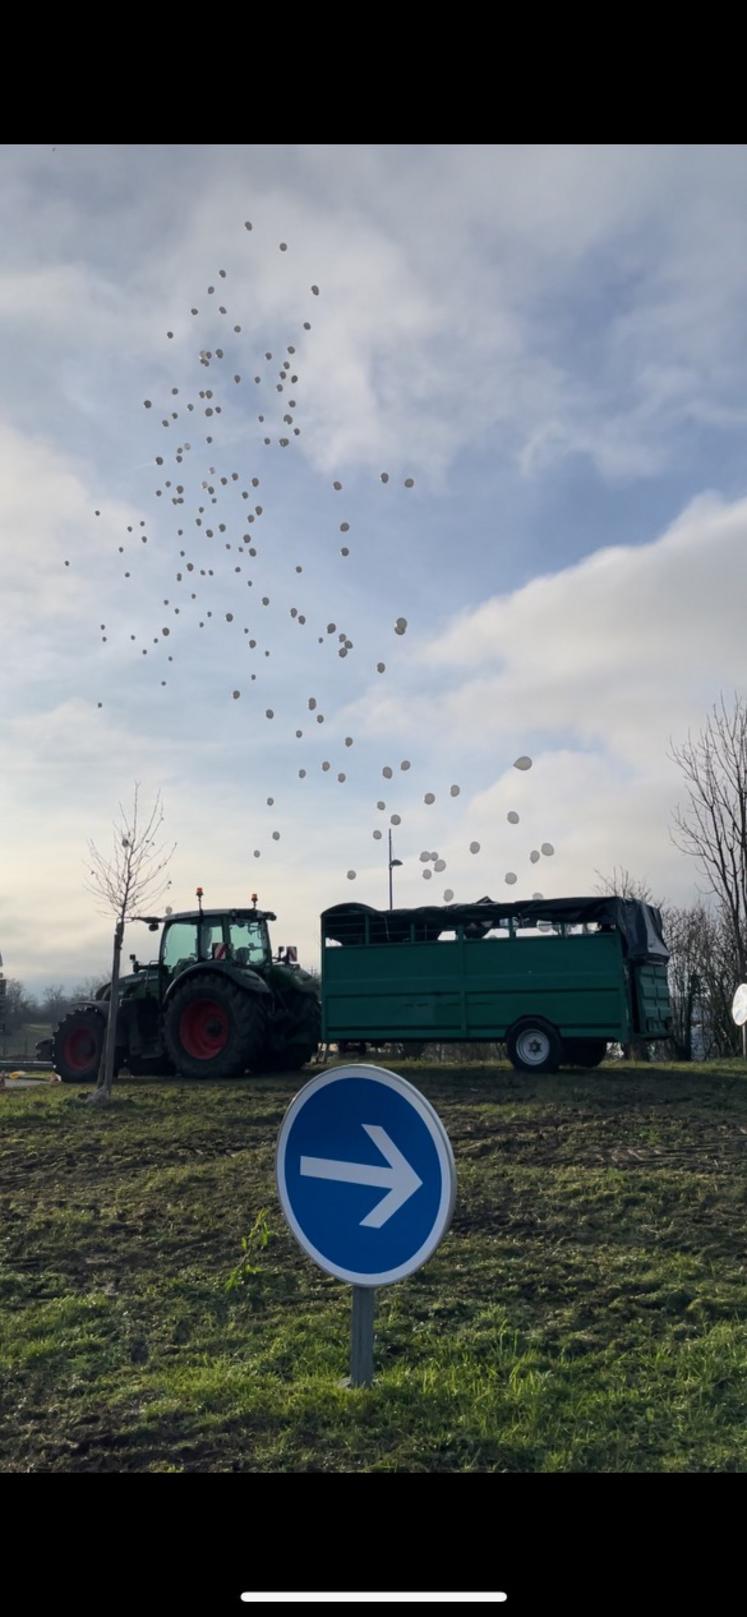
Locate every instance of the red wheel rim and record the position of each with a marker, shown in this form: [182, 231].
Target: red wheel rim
[203, 1029]
[80, 1050]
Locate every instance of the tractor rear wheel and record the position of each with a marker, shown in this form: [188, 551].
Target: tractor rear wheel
[213, 1028]
[77, 1046]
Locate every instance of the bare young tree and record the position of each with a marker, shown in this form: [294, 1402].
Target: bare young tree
[622, 885]
[130, 879]
[688, 932]
[713, 827]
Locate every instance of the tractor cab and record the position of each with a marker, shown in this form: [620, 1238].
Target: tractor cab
[237, 937]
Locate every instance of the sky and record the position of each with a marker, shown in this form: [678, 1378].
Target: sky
[544, 348]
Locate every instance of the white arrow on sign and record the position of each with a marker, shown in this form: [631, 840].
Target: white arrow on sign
[399, 1179]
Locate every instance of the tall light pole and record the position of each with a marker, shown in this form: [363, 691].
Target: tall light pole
[392, 863]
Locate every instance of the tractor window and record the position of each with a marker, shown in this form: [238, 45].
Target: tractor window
[249, 942]
[179, 947]
[212, 940]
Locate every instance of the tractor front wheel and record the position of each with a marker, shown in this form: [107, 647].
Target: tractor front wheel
[213, 1028]
[77, 1046]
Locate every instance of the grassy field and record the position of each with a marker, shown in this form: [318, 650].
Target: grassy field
[586, 1312]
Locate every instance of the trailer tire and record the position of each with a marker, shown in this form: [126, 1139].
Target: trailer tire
[534, 1045]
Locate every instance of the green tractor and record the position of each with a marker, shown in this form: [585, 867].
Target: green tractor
[214, 1005]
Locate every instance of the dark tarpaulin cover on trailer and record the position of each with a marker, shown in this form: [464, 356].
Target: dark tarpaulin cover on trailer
[639, 924]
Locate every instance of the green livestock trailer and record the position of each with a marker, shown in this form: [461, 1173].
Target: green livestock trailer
[555, 979]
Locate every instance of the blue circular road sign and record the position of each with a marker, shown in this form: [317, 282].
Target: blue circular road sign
[365, 1174]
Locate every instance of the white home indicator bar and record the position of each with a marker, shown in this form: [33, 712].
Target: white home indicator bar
[368, 1598]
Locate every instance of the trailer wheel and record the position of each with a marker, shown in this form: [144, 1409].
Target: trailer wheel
[584, 1052]
[534, 1046]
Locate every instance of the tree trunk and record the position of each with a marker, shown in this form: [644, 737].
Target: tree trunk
[102, 1093]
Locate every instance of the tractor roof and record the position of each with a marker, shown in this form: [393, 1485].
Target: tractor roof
[234, 913]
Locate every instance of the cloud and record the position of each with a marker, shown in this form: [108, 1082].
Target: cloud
[512, 326]
[592, 670]
[558, 301]
[48, 519]
[616, 650]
